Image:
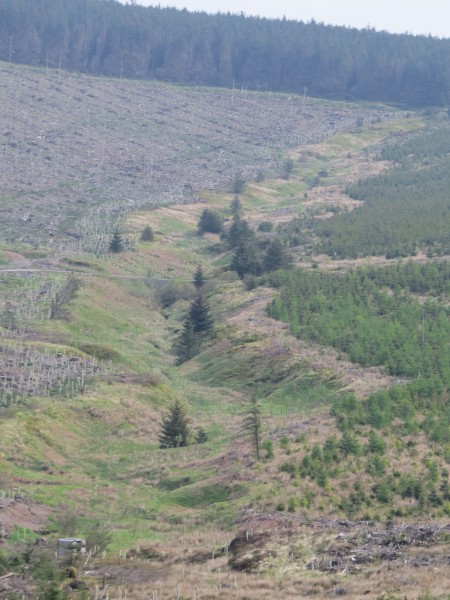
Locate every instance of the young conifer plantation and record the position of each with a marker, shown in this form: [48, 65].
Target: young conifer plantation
[224, 307]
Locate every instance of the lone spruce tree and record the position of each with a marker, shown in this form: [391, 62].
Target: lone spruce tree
[199, 278]
[209, 222]
[116, 244]
[246, 260]
[147, 234]
[188, 344]
[288, 167]
[275, 257]
[175, 427]
[200, 316]
[239, 232]
[197, 325]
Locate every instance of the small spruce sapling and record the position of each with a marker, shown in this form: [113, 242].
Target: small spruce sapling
[201, 437]
[147, 234]
[116, 244]
[267, 446]
[288, 167]
[175, 427]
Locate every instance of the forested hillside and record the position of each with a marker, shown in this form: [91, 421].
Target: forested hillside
[404, 210]
[107, 38]
[371, 315]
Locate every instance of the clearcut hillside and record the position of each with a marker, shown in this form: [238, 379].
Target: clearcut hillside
[79, 151]
[343, 357]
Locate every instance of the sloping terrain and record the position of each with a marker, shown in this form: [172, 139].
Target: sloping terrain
[90, 370]
[78, 151]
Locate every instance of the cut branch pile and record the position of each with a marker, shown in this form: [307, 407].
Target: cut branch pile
[89, 141]
[335, 546]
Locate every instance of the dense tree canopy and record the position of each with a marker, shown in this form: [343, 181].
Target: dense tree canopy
[406, 209]
[372, 315]
[105, 37]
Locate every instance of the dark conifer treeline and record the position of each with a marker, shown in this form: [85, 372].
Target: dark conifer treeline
[104, 37]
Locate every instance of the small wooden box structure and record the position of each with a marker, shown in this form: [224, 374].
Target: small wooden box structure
[67, 546]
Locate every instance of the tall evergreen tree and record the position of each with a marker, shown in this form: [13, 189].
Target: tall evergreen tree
[200, 316]
[238, 184]
[275, 257]
[239, 232]
[246, 260]
[188, 344]
[199, 278]
[116, 244]
[236, 207]
[197, 325]
[175, 427]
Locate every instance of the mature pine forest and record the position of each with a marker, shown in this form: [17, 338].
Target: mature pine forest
[103, 37]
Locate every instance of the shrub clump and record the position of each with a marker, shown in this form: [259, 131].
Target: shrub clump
[100, 351]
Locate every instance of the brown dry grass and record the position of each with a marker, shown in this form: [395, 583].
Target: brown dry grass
[30, 515]
[194, 574]
[252, 318]
[186, 213]
[325, 262]
[16, 261]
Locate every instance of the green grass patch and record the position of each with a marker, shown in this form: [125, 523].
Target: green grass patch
[108, 320]
[100, 352]
[22, 535]
[198, 496]
[132, 536]
[168, 224]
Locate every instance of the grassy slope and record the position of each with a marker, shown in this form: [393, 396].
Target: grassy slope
[96, 455]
